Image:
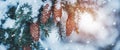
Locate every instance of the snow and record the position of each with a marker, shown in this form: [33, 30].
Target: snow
[9, 23]
[53, 37]
[6, 35]
[88, 42]
[71, 1]
[26, 10]
[54, 43]
[96, 27]
[114, 23]
[4, 7]
[58, 4]
[58, 18]
[100, 27]
[35, 20]
[35, 4]
[117, 47]
[21, 31]
[2, 47]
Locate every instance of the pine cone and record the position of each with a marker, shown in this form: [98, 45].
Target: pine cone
[57, 12]
[27, 47]
[45, 14]
[70, 25]
[34, 30]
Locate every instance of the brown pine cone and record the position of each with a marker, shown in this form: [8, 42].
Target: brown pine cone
[57, 12]
[70, 25]
[45, 14]
[27, 47]
[34, 31]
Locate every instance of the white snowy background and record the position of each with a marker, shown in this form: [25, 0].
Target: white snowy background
[104, 36]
